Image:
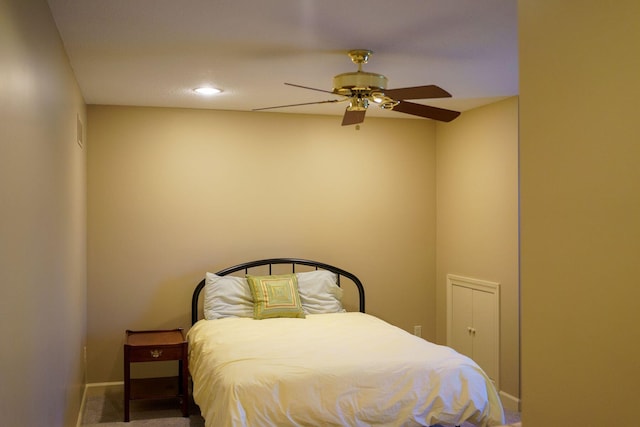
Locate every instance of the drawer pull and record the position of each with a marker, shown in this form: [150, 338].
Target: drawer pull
[155, 353]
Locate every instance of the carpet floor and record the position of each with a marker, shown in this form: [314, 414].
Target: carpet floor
[104, 407]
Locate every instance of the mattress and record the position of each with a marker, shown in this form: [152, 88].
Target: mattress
[338, 369]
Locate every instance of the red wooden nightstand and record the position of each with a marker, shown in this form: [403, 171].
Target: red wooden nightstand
[154, 346]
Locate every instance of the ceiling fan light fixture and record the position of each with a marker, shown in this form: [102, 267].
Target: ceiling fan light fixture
[388, 105]
[383, 101]
[358, 104]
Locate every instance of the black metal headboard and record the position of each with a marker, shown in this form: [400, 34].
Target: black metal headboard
[273, 261]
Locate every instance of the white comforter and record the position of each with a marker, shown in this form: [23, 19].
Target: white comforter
[342, 369]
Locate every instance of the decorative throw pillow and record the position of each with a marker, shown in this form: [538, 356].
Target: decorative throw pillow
[319, 292]
[275, 296]
[226, 296]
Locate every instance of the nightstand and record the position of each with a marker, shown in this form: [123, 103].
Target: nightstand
[155, 346]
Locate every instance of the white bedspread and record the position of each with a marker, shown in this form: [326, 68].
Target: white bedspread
[342, 369]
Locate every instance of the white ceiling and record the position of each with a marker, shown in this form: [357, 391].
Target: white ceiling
[154, 52]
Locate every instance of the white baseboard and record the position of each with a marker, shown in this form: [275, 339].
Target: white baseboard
[510, 402]
[82, 402]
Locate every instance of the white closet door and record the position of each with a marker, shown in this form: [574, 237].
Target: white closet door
[484, 336]
[462, 320]
[473, 321]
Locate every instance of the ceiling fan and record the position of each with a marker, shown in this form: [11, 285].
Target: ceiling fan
[360, 89]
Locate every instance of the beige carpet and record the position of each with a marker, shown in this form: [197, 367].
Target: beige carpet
[104, 407]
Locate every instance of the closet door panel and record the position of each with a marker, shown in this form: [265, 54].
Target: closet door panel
[462, 320]
[485, 327]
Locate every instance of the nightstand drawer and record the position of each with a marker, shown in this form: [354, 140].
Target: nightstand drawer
[155, 353]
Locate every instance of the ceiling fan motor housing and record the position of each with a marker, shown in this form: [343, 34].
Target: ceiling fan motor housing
[347, 83]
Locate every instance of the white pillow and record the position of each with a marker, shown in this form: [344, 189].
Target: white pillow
[319, 292]
[227, 296]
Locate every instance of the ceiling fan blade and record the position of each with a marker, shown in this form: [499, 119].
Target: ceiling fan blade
[297, 105]
[310, 88]
[353, 117]
[426, 111]
[417, 92]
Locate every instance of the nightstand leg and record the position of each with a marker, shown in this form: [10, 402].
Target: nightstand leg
[127, 386]
[184, 386]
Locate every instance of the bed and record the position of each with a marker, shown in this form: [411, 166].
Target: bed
[277, 348]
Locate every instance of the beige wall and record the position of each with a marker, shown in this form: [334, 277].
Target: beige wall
[477, 217]
[174, 193]
[42, 223]
[580, 211]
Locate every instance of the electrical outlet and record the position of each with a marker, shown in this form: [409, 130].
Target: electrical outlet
[417, 330]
